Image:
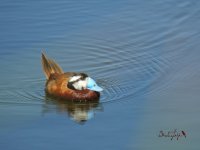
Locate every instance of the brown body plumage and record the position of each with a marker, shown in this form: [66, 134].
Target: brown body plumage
[57, 83]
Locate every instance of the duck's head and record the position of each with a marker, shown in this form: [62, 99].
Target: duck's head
[82, 81]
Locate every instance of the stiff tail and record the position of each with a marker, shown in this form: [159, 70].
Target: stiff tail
[50, 66]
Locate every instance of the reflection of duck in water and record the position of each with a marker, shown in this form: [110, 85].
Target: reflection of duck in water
[80, 112]
[69, 85]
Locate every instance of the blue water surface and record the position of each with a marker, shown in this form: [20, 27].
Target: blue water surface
[145, 54]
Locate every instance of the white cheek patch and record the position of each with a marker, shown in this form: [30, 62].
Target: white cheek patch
[80, 85]
[74, 78]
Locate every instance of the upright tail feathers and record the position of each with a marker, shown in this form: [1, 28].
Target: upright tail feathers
[50, 66]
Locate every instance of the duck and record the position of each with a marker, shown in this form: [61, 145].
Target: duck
[71, 86]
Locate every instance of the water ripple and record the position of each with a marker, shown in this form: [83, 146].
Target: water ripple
[120, 70]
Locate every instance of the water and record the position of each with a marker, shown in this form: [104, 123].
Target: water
[145, 54]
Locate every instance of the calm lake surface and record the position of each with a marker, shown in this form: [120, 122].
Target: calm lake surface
[145, 54]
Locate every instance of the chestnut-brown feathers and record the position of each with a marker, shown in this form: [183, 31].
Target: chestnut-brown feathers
[57, 83]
